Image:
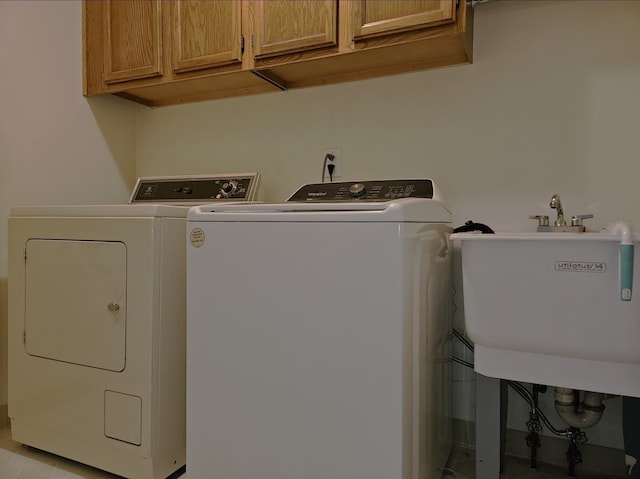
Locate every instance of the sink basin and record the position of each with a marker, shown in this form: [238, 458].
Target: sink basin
[546, 308]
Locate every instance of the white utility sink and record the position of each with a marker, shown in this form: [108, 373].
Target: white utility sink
[547, 308]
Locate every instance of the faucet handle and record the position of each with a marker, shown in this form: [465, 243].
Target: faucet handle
[543, 220]
[577, 219]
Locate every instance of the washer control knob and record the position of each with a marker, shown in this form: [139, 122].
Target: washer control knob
[356, 190]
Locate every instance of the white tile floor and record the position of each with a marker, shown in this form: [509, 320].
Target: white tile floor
[23, 462]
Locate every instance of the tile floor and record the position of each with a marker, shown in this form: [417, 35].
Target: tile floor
[23, 462]
[462, 466]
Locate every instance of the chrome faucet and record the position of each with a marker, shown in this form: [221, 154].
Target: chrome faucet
[560, 224]
[555, 204]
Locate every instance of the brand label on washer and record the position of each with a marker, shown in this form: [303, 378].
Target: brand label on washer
[197, 237]
[581, 266]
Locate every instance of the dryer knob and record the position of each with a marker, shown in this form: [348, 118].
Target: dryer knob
[356, 190]
[229, 187]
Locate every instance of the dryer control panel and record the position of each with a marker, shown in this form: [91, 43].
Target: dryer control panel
[196, 189]
[381, 190]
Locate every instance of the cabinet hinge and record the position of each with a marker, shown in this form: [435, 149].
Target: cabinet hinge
[24, 336]
[24, 254]
[242, 44]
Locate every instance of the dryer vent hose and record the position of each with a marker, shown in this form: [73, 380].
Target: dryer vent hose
[471, 226]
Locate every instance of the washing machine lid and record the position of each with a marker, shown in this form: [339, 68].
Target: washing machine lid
[135, 210]
[367, 201]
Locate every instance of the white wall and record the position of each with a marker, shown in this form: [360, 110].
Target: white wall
[550, 105]
[55, 145]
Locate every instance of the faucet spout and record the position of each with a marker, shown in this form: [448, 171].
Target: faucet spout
[557, 205]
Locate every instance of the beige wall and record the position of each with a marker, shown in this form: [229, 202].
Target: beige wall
[551, 105]
[55, 145]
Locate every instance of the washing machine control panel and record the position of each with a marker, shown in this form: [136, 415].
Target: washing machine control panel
[382, 190]
[196, 189]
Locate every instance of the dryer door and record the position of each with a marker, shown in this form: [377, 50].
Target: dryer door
[75, 302]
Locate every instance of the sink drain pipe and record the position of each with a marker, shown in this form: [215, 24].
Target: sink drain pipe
[587, 414]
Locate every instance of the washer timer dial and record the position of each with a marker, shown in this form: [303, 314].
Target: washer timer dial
[357, 190]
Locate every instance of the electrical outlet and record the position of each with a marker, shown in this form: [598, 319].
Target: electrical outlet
[336, 160]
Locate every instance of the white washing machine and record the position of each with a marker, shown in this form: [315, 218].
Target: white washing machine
[318, 335]
[97, 325]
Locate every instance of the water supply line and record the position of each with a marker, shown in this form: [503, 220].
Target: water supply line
[522, 391]
[586, 415]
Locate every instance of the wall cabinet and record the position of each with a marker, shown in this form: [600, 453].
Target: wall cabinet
[132, 40]
[380, 17]
[161, 52]
[205, 34]
[293, 26]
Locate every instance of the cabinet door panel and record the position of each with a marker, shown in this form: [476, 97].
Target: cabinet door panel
[132, 39]
[206, 34]
[283, 26]
[382, 16]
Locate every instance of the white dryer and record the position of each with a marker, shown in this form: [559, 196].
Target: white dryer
[318, 335]
[97, 325]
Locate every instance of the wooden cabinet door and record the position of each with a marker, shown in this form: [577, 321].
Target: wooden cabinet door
[381, 17]
[206, 33]
[132, 39]
[285, 26]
